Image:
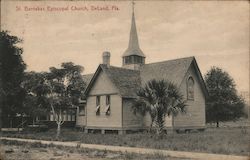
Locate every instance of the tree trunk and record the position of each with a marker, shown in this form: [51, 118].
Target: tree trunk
[173, 124]
[10, 122]
[160, 124]
[33, 121]
[22, 120]
[151, 126]
[60, 121]
[151, 123]
[217, 124]
[1, 117]
[58, 131]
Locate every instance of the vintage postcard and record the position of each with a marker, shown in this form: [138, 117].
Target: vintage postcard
[87, 79]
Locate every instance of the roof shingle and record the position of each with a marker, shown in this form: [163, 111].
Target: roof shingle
[171, 70]
[129, 81]
[87, 78]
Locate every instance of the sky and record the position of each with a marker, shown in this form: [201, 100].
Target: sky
[215, 32]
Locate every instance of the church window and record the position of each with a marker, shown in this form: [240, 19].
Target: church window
[190, 88]
[97, 110]
[107, 109]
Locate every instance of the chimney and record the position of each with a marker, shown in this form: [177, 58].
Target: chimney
[106, 58]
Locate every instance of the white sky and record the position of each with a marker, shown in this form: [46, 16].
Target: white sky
[216, 33]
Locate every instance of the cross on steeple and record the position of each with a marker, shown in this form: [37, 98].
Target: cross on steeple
[133, 6]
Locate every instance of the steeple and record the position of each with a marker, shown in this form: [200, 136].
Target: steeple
[133, 54]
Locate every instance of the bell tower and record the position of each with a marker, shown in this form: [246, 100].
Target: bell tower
[133, 57]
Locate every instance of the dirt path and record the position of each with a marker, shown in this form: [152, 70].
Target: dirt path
[30, 151]
[178, 154]
[26, 153]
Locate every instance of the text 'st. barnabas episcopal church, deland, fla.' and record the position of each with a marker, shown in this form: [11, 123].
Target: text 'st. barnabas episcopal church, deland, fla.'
[111, 91]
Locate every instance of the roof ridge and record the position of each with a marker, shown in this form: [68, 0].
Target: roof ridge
[121, 68]
[170, 60]
[125, 80]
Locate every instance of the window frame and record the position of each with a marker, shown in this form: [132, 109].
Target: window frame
[108, 105]
[98, 105]
[189, 97]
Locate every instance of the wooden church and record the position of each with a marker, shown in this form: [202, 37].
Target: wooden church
[111, 91]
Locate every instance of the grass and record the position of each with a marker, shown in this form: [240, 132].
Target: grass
[99, 154]
[233, 140]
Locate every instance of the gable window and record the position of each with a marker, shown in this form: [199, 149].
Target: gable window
[190, 88]
[107, 109]
[97, 110]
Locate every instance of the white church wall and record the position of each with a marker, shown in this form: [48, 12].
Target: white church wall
[103, 87]
[195, 116]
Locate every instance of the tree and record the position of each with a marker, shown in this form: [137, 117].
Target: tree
[35, 102]
[12, 69]
[65, 87]
[223, 103]
[54, 91]
[159, 98]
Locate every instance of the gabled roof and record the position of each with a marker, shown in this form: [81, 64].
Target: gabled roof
[203, 85]
[128, 81]
[171, 70]
[87, 78]
[125, 80]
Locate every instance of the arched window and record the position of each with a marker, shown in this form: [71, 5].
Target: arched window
[190, 88]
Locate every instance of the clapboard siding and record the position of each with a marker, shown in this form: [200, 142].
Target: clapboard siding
[129, 118]
[81, 117]
[195, 115]
[103, 120]
[147, 121]
[102, 87]
[80, 120]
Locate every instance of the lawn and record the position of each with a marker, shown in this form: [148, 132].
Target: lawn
[225, 140]
[14, 150]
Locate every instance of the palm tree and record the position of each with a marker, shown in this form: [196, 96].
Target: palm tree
[159, 98]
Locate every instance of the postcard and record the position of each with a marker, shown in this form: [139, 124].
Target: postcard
[108, 79]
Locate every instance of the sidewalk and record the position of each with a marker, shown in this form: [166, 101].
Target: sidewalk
[178, 154]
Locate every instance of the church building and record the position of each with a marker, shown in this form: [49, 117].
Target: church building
[111, 91]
